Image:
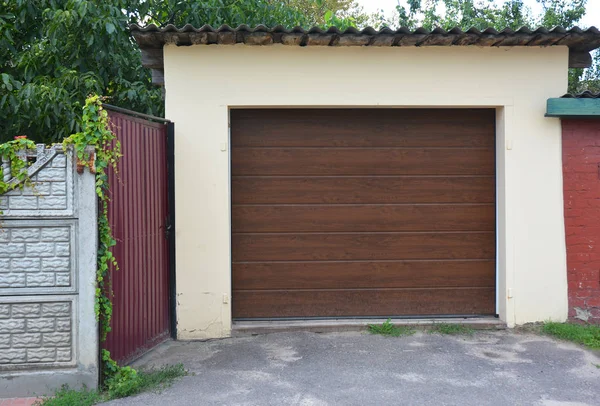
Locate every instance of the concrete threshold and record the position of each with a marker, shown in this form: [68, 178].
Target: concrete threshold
[249, 327]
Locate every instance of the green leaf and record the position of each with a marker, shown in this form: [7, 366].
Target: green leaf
[7, 82]
[110, 28]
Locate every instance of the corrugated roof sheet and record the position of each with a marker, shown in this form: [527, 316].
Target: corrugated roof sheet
[151, 36]
[583, 95]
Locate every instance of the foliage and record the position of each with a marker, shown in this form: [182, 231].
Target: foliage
[123, 382]
[215, 12]
[343, 23]
[96, 133]
[463, 13]
[331, 13]
[127, 382]
[70, 397]
[482, 14]
[561, 13]
[53, 53]
[451, 329]
[110, 368]
[512, 14]
[316, 9]
[18, 167]
[390, 330]
[588, 334]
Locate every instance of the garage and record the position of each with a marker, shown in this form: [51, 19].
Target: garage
[363, 212]
[372, 174]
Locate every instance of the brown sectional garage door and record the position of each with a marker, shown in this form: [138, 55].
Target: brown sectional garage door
[357, 212]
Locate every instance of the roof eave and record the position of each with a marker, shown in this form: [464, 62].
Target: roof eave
[573, 108]
[151, 39]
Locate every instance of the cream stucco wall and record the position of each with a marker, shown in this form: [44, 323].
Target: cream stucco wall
[204, 82]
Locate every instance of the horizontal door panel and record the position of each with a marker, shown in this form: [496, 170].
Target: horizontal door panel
[363, 128]
[361, 161]
[362, 246]
[363, 303]
[347, 190]
[356, 218]
[358, 275]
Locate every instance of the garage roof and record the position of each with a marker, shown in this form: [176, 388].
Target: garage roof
[583, 95]
[580, 105]
[152, 38]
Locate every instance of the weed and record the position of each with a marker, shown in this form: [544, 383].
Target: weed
[70, 397]
[131, 384]
[127, 382]
[389, 329]
[451, 329]
[588, 334]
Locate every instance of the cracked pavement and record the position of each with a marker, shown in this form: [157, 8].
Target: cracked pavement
[356, 368]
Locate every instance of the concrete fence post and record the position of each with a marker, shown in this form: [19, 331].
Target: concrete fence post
[48, 250]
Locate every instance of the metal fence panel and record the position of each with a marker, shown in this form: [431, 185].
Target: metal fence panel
[138, 212]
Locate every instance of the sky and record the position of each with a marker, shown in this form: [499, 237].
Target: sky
[592, 17]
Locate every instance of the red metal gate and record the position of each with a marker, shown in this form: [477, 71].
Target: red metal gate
[139, 214]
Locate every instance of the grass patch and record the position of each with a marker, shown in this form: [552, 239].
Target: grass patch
[588, 334]
[128, 382]
[451, 329]
[69, 397]
[389, 329]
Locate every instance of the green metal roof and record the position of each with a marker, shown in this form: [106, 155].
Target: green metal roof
[582, 105]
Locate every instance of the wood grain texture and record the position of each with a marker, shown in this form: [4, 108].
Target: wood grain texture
[363, 128]
[362, 246]
[367, 190]
[385, 212]
[360, 218]
[361, 161]
[363, 274]
[363, 303]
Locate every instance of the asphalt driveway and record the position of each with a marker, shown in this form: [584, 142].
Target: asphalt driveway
[487, 368]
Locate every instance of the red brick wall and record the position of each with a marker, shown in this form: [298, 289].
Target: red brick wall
[581, 172]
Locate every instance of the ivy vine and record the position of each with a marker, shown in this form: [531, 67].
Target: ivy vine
[97, 149]
[105, 154]
[11, 151]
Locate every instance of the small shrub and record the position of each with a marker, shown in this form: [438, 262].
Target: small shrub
[389, 329]
[125, 382]
[451, 329]
[588, 334]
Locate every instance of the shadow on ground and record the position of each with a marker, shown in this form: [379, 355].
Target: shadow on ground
[487, 368]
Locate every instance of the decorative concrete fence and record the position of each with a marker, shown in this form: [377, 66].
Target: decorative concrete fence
[48, 242]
